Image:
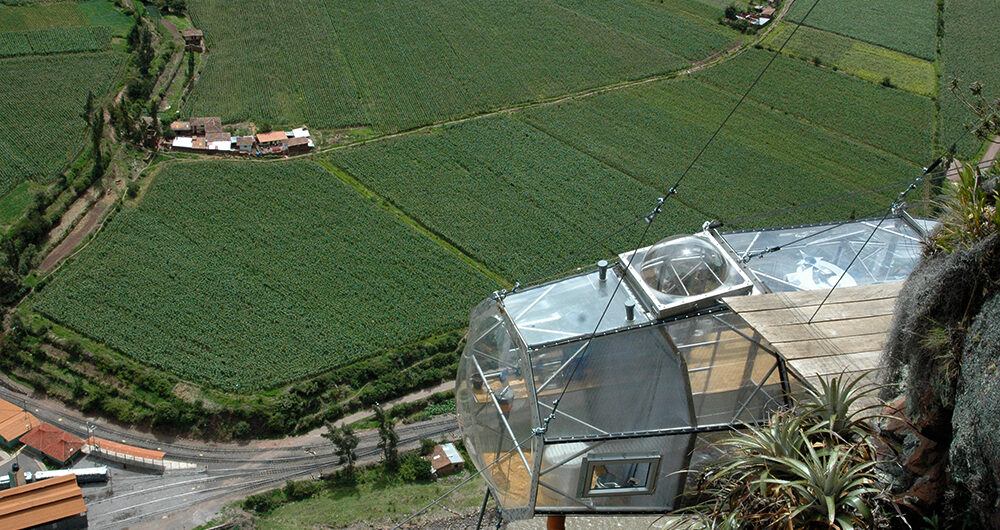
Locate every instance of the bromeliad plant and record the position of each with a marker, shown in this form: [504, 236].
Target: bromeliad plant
[968, 210]
[810, 467]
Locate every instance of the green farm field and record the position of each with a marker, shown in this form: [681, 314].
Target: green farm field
[396, 65]
[244, 276]
[908, 26]
[891, 120]
[45, 77]
[867, 61]
[552, 178]
[970, 52]
[41, 98]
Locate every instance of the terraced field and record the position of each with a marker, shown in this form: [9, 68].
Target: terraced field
[397, 64]
[244, 276]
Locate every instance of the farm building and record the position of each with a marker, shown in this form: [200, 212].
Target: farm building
[298, 145]
[14, 422]
[271, 139]
[219, 141]
[203, 126]
[53, 443]
[546, 368]
[445, 460]
[245, 144]
[52, 504]
[194, 39]
[180, 127]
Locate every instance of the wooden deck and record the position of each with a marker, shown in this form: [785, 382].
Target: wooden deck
[846, 336]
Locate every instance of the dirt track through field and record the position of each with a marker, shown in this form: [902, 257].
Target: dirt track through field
[80, 231]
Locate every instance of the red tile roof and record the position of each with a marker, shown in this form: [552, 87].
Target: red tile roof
[53, 442]
[14, 421]
[40, 503]
[114, 447]
[273, 136]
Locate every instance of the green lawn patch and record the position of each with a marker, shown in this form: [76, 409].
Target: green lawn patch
[243, 276]
[374, 501]
[103, 13]
[867, 61]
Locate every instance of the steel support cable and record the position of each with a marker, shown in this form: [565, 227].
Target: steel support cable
[673, 189]
[747, 256]
[798, 24]
[590, 339]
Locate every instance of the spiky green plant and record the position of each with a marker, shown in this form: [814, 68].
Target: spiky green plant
[810, 467]
[968, 211]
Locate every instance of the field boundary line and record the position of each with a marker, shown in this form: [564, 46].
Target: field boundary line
[802, 119]
[696, 66]
[386, 204]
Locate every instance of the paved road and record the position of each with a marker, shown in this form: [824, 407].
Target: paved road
[224, 472]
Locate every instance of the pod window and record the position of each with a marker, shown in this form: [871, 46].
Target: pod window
[619, 475]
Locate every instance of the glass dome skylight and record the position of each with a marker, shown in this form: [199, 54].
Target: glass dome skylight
[683, 272]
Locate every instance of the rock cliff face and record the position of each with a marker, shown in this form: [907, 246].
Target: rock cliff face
[941, 359]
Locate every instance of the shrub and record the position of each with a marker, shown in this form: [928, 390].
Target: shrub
[415, 468]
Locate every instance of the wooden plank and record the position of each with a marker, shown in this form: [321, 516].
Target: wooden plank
[835, 364]
[827, 313]
[764, 302]
[835, 346]
[826, 330]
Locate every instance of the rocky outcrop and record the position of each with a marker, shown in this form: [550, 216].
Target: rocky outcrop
[941, 360]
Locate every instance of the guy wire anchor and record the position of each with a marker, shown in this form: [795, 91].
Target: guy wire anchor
[659, 206]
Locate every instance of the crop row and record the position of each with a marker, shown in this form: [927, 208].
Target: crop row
[506, 193]
[60, 40]
[244, 276]
[401, 64]
[764, 159]
[523, 194]
[41, 98]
